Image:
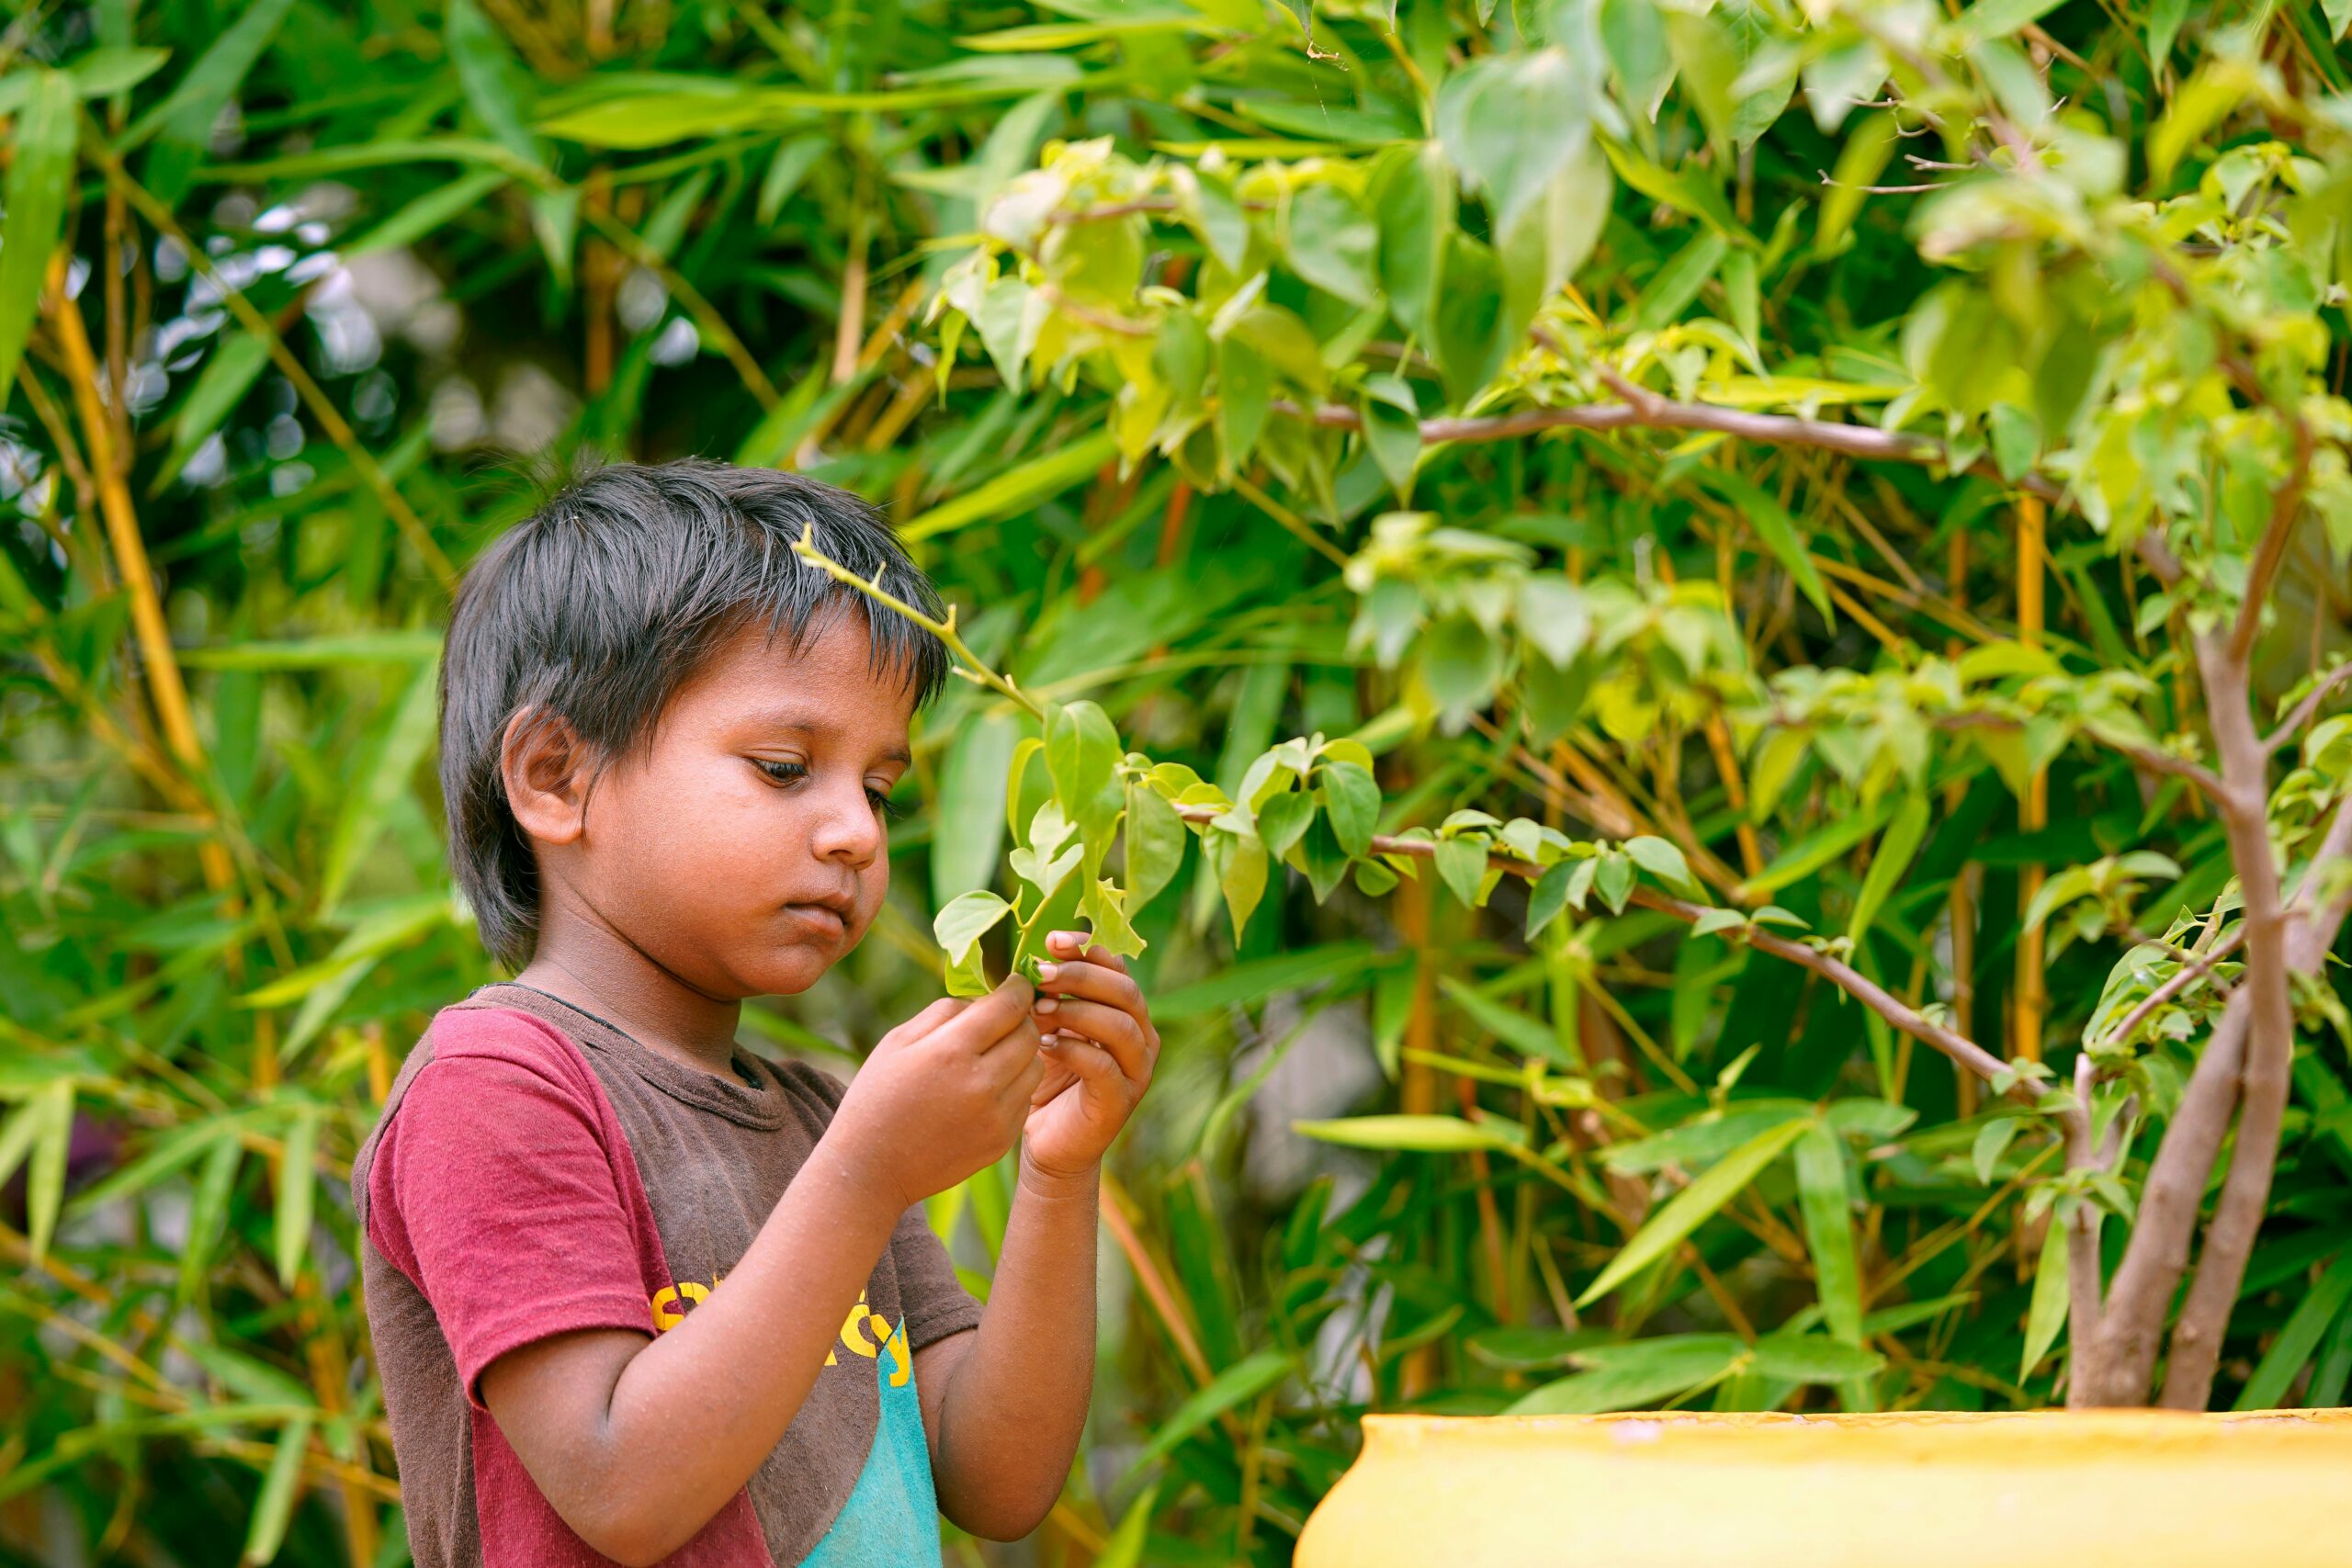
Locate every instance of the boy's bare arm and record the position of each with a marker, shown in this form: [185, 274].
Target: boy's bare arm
[594, 1416]
[1005, 1404]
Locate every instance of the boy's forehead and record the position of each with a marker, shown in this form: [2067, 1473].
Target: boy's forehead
[828, 679]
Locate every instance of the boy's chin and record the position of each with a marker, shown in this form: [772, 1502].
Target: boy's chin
[789, 971]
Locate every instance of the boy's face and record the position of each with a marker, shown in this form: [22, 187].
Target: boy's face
[744, 849]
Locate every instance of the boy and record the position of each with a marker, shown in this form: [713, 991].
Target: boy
[636, 1294]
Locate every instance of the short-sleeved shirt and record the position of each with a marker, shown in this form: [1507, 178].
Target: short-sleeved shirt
[536, 1171]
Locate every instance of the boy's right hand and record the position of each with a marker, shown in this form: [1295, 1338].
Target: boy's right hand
[943, 1094]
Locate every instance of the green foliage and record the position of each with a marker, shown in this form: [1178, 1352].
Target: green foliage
[1500, 553]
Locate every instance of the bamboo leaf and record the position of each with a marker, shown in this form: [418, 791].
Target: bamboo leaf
[1637, 1375]
[2299, 1337]
[281, 1489]
[1829, 1232]
[298, 1186]
[46, 133]
[1888, 863]
[1016, 491]
[1245, 1380]
[1416, 1135]
[2046, 1316]
[52, 1136]
[1693, 1206]
[394, 748]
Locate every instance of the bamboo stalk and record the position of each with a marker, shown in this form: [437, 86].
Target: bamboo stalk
[2033, 812]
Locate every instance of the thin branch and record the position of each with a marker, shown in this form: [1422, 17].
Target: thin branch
[2189, 975]
[970, 664]
[2301, 714]
[2084, 1308]
[1666, 413]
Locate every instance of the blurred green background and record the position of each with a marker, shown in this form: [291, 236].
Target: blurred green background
[1784, 392]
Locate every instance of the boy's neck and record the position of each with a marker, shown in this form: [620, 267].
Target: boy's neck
[587, 964]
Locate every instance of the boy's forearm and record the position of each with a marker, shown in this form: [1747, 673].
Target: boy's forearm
[1013, 1411]
[743, 1361]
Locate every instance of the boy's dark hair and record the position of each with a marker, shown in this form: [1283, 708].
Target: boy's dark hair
[597, 607]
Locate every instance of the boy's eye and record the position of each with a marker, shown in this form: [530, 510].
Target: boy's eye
[782, 773]
[884, 805]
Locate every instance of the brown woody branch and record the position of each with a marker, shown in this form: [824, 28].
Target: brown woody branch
[1845, 976]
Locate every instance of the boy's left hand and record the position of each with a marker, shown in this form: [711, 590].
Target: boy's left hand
[1100, 1049]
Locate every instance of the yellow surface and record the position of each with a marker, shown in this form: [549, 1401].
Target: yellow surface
[2052, 1489]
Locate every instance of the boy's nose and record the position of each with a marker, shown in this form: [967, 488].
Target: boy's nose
[848, 830]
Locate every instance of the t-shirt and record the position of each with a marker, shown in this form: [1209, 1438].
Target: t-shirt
[536, 1170]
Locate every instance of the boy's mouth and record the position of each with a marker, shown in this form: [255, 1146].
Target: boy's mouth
[819, 916]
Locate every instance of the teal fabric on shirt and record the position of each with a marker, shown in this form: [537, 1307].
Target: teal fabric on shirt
[891, 1519]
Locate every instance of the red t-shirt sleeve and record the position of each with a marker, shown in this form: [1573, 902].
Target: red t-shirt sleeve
[496, 1188]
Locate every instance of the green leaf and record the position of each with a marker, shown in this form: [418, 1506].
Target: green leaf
[2047, 1314]
[40, 1133]
[1693, 1206]
[2299, 1337]
[1829, 1233]
[1999, 18]
[1102, 909]
[1865, 153]
[1665, 862]
[1123, 1549]
[1510, 121]
[44, 137]
[1530, 1037]
[1992, 1141]
[1675, 284]
[496, 86]
[1392, 430]
[960, 925]
[1082, 756]
[1240, 865]
[1416, 1135]
[1462, 866]
[388, 758]
[1640, 1374]
[1354, 964]
[182, 124]
[1614, 879]
[1775, 528]
[281, 1488]
[1331, 243]
[1808, 1358]
[1155, 844]
[1549, 897]
[1018, 490]
[1282, 819]
[1243, 1381]
[298, 1186]
[1411, 191]
[1888, 862]
[1351, 800]
[207, 1215]
[971, 806]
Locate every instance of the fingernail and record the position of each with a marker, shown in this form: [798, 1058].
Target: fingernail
[1045, 972]
[1047, 1004]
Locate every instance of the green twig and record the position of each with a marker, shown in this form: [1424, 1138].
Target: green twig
[967, 664]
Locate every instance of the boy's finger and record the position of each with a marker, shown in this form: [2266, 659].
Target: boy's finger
[1108, 1027]
[1085, 1062]
[1023, 1086]
[1074, 946]
[1006, 1055]
[1091, 981]
[987, 1020]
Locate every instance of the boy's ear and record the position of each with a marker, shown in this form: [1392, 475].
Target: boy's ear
[547, 769]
